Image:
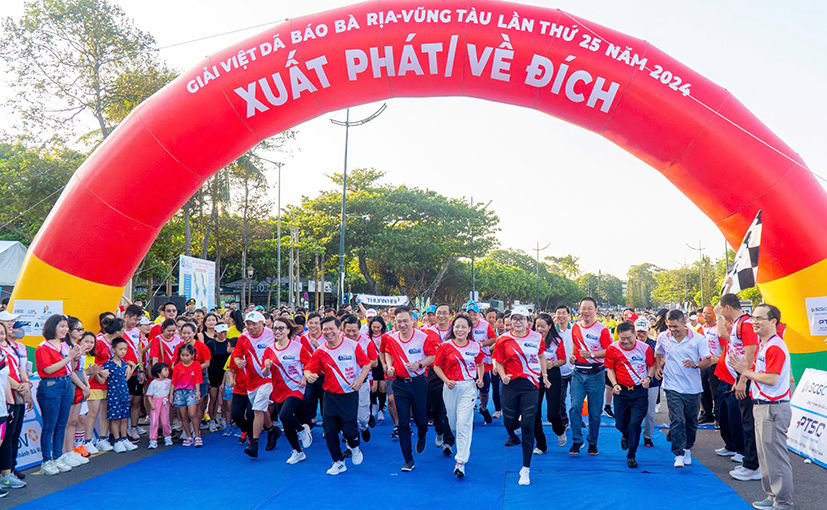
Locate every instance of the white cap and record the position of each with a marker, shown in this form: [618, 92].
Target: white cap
[641, 325]
[6, 316]
[144, 320]
[254, 317]
[221, 327]
[521, 310]
[370, 312]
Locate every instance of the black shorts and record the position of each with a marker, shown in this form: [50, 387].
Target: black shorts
[216, 378]
[378, 373]
[135, 389]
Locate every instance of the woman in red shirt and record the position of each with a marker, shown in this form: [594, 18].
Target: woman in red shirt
[55, 392]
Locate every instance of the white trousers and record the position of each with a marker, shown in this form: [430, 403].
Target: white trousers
[459, 403]
[363, 413]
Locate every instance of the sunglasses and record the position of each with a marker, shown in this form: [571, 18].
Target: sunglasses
[78, 329]
[279, 328]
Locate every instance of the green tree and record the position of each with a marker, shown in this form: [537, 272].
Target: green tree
[605, 288]
[641, 284]
[566, 266]
[67, 57]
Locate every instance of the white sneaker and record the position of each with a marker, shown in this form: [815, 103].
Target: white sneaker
[212, 426]
[296, 457]
[140, 430]
[497, 414]
[119, 447]
[153, 445]
[176, 425]
[380, 416]
[306, 437]
[679, 461]
[438, 440]
[129, 445]
[62, 466]
[133, 434]
[524, 479]
[745, 474]
[49, 468]
[338, 467]
[78, 457]
[538, 451]
[357, 456]
[723, 452]
[737, 458]
[90, 447]
[104, 445]
[687, 457]
[68, 460]
[562, 440]
[167, 440]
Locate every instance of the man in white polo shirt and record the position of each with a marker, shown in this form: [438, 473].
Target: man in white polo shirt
[770, 393]
[680, 355]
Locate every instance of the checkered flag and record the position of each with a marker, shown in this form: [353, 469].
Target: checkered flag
[744, 270]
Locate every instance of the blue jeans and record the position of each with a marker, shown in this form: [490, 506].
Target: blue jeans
[683, 419]
[54, 396]
[582, 385]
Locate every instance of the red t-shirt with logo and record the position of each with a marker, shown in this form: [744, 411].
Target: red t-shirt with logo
[459, 363]
[631, 366]
[341, 365]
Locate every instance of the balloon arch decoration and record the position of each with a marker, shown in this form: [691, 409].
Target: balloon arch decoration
[689, 129]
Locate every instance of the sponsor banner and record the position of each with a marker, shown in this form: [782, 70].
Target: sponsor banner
[196, 280]
[368, 300]
[817, 315]
[34, 312]
[28, 454]
[807, 435]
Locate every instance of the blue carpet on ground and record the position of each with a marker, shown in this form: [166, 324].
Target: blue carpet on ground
[219, 475]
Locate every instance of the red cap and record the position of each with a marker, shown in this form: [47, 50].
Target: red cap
[630, 316]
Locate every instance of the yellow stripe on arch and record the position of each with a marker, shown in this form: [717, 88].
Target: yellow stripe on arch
[789, 294]
[81, 298]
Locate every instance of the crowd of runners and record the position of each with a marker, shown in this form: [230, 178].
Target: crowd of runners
[258, 375]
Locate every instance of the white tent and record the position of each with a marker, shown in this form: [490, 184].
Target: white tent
[12, 254]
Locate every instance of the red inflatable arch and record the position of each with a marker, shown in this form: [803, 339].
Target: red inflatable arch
[691, 130]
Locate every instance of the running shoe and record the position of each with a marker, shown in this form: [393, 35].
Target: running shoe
[524, 479]
[356, 456]
[212, 426]
[62, 466]
[133, 434]
[745, 474]
[347, 453]
[648, 443]
[366, 435]
[408, 466]
[199, 442]
[242, 438]
[631, 462]
[167, 440]
[338, 467]
[380, 416]
[129, 445]
[438, 441]
[624, 443]
[420, 445]
[153, 445]
[512, 441]
[371, 421]
[447, 449]
[49, 468]
[395, 432]
[80, 450]
[538, 451]
[679, 461]
[738, 457]
[486, 415]
[89, 446]
[252, 448]
[296, 457]
[19, 475]
[497, 414]
[306, 437]
[78, 457]
[273, 435]
[459, 469]
[763, 505]
[608, 410]
[104, 446]
[204, 425]
[687, 457]
[724, 452]
[69, 460]
[187, 442]
[121, 448]
[140, 430]
[592, 449]
[12, 482]
[562, 440]
[575, 448]
[227, 432]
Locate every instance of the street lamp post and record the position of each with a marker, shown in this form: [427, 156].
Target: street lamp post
[538, 250]
[347, 124]
[250, 270]
[700, 251]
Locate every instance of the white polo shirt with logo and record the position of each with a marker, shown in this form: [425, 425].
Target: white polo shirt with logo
[676, 377]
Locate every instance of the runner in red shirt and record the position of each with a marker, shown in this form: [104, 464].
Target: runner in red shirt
[346, 368]
[440, 331]
[162, 347]
[459, 365]
[135, 384]
[519, 357]
[406, 355]
[249, 356]
[630, 365]
[286, 360]
[351, 329]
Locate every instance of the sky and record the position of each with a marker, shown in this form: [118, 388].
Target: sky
[550, 182]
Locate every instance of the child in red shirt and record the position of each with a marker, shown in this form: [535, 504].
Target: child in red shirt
[184, 394]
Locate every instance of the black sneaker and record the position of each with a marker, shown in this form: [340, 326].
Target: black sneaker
[608, 411]
[347, 454]
[273, 435]
[420, 445]
[486, 415]
[395, 433]
[366, 435]
[575, 448]
[706, 419]
[447, 449]
[512, 441]
[252, 448]
[408, 466]
[648, 443]
[371, 421]
[592, 449]
[631, 462]
[624, 443]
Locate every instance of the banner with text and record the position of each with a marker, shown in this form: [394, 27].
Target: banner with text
[807, 435]
[196, 280]
[34, 312]
[368, 300]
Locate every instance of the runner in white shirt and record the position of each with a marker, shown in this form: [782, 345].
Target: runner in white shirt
[680, 355]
